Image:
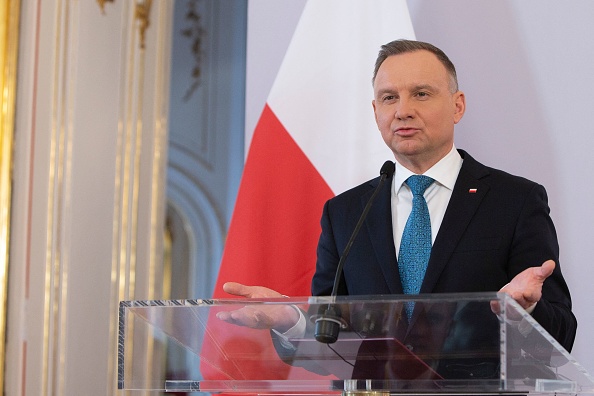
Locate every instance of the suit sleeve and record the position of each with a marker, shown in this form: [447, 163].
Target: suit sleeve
[535, 241]
[327, 258]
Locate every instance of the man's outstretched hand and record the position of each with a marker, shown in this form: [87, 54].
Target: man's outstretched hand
[526, 287]
[259, 316]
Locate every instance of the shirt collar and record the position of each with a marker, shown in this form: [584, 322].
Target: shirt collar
[445, 171]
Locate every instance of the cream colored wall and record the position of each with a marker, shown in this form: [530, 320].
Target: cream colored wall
[88, 194]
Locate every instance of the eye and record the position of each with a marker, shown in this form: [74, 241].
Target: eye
[389, 98]
[422, 94]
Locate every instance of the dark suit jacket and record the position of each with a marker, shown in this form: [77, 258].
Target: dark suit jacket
[486, 238]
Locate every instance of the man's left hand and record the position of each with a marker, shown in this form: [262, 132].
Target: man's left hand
[526, 287]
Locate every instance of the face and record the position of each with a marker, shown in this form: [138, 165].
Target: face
[415, 109]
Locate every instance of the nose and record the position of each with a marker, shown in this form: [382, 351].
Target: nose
[404, 109]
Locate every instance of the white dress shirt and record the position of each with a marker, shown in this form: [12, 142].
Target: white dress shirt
[437, 195]
[445, 172]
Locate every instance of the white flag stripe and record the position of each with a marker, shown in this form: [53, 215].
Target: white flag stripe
[322, 93]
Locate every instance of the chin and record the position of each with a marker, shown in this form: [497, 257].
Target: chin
[407, 149]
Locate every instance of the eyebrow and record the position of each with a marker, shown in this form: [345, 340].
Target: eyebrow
[414, 88]
[386, 91]
[424, 86]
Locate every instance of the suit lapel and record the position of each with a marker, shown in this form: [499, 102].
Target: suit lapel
[468, 193]
[379, 227]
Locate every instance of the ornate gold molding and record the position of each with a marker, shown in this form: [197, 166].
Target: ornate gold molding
[142, 14]
[102, 4]
[9, 31]
[195, 33]
[142, 11]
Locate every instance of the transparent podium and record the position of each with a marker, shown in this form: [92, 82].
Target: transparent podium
[477, 344]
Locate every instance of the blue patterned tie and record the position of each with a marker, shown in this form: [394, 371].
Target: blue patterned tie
[415, 246]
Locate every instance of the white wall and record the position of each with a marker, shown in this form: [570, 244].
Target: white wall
[526, 69]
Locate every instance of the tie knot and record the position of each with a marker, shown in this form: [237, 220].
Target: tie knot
[419, 183]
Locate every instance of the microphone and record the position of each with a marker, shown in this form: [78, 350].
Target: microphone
[328, 320]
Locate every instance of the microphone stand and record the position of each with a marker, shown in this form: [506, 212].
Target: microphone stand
[328, 321]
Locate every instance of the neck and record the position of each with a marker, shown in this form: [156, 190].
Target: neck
[420, 164]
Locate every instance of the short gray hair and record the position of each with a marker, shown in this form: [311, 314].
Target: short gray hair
[398, 47]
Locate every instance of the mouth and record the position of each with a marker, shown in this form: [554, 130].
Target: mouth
[405, 131]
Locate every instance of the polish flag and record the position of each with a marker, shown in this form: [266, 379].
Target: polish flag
[316, 137]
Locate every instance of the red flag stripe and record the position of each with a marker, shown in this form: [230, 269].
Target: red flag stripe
[272, 242]
[275, 226]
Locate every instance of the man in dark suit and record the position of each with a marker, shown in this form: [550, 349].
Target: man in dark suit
[490, 231]
[487, 237]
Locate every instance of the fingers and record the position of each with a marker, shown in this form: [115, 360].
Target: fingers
[526, 287]
[546, 269]
[495, 307]
[237, 289]
[239, 318]
[249, 317]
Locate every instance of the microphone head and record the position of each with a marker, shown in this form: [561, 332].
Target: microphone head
[388, 169]
[328, 323]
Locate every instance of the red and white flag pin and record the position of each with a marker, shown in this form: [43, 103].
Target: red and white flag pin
[472, 190]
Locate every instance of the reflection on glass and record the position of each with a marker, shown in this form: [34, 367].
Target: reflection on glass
[452, 344]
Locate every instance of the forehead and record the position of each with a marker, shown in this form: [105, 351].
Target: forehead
[418, 67]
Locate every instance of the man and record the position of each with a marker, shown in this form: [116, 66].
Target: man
[490, 230]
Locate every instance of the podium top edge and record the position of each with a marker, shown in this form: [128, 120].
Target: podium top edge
[387, 298]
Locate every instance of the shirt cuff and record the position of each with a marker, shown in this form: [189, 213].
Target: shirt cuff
[297, 331]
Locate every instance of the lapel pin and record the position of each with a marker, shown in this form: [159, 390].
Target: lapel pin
[472, 190]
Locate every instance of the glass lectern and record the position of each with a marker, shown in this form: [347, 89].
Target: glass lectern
[482, 343]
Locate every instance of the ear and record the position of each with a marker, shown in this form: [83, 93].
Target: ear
[374, 110]
[459, 106]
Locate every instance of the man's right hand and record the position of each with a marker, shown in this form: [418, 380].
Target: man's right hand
[259, 316]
